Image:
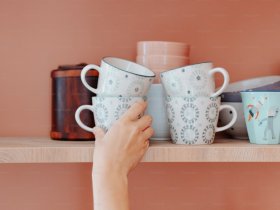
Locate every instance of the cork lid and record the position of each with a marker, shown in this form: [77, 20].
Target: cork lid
[72, 71]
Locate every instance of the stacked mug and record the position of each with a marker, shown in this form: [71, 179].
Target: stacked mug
[121, 83]
[192, 104]
[160, 56]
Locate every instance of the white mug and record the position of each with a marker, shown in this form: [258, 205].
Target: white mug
[106, 110]
[193, 120]
[193, 80]
[119, 77]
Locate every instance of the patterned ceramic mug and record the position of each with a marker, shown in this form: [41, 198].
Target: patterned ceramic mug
[193, 80]
[193, 120]
[106, 110]
[262, 116]
[119, 77]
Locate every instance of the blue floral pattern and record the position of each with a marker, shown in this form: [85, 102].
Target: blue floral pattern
[211, 113]
[174, 134]
[189, 113]
[101, 112]
[189, 134]
[120, 110]
[170, 113]
[208, 134]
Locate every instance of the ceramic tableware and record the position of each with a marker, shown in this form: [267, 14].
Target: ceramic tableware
[163, 48]
[262, 116]
[266, 83]
[156, 108]
[119, 77]
[193, 80]
[106, 110]
[162, 61]
[193, 120]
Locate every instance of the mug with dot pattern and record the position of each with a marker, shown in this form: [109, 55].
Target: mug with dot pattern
[120, 78]
[193, 80]
[193, 120]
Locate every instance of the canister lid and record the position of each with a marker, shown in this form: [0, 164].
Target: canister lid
[72, 71]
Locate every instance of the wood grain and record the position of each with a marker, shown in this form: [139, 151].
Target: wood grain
[44, 150]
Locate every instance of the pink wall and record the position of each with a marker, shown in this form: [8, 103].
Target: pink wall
[152, 186]
[36, 36]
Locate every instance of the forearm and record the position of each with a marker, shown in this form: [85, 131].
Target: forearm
[110, 191]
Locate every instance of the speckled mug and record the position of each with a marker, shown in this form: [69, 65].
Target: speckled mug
[193, 80]
[193, 120]
[119, 77]
[106, 110]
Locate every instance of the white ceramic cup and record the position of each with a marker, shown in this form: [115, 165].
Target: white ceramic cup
[193, 80]
[119, 77]
[193, 120]
[106, 110]
[156, 109]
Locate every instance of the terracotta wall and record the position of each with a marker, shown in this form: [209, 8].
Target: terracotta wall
[37, 36]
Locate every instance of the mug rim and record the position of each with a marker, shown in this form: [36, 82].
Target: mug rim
[169, 70]
[99, 96]
[260, 91]
[208, 97]
[183, 44]
[134, 63]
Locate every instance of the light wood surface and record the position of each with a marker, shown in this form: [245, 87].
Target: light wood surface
[45, 150]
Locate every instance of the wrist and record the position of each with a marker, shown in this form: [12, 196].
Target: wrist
[110, 179]
[105, 171]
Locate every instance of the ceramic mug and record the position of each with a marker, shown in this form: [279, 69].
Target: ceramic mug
[119, 77]
[262, 116]
[106, 110]
[193, 80]
[156, 109]
[193, 120]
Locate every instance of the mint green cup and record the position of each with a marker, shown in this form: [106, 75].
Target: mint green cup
[262, 116]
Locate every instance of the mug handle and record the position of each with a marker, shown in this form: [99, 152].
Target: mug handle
[83, 76]
[78, 119]
[233, 120]
[226, 80]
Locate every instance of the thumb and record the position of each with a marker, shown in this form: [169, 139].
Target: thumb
[98, 133]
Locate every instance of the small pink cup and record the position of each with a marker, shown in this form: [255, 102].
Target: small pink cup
[163, 48]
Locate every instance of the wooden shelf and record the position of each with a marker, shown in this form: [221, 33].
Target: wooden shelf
[45, 150]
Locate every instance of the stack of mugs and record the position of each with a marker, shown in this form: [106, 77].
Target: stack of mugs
[193, 105]
[121, 83]
[161, 55]
[187, 99]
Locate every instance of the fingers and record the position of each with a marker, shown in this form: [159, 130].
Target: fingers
[134, 111]
[144, 122]
[98, 133]
[148, 133]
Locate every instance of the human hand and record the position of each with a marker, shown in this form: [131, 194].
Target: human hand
[125, 143]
